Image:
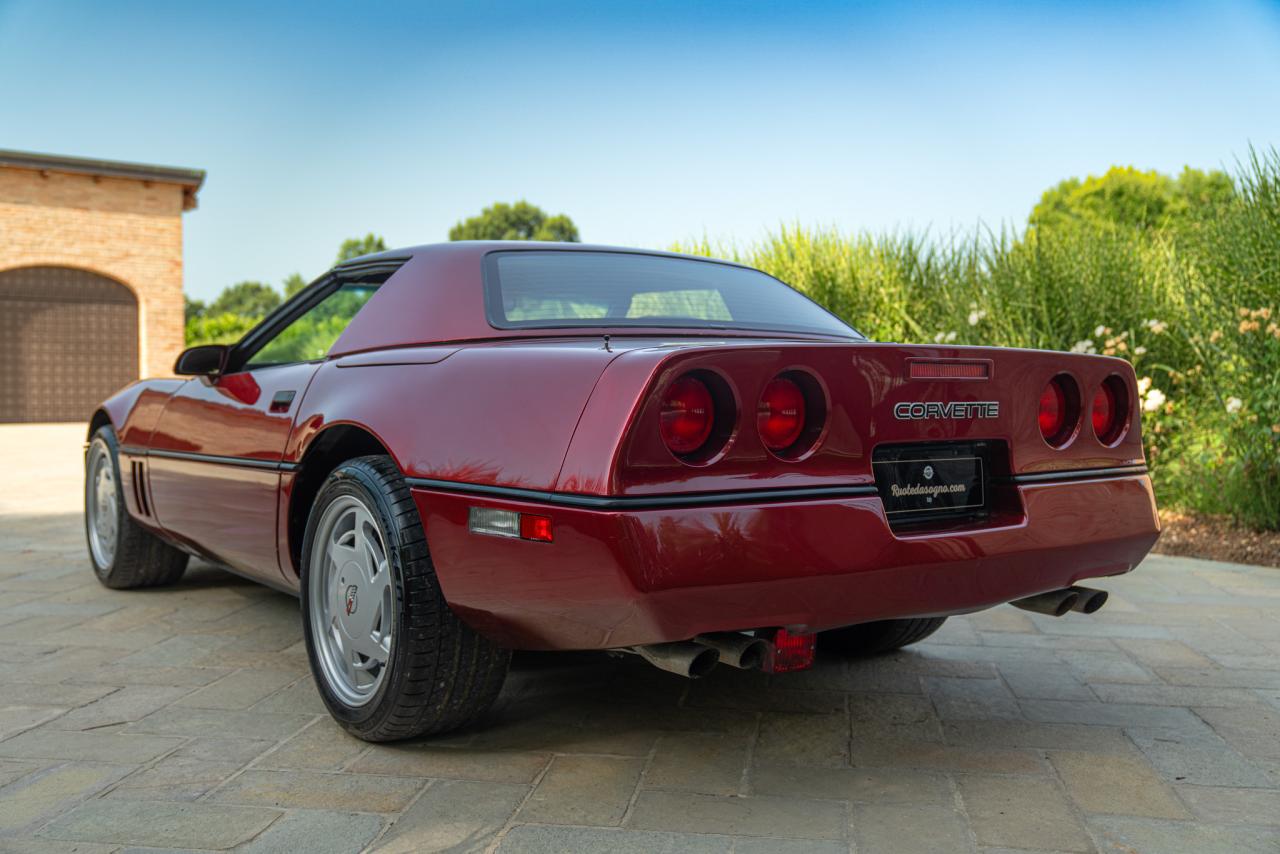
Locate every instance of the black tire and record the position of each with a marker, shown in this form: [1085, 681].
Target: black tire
[441, 674]
[878, 638]
[140, 558]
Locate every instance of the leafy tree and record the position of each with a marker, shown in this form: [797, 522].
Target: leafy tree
[293, 283]
[354, 247]
[521, 221]
[1126, 196]
[246, 299]
[192, 308]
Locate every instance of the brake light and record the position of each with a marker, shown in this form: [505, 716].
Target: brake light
[781, 414]
[1110, 410]
[1059, 410]
[688, 413]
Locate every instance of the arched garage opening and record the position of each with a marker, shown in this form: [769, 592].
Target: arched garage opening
[68, 339]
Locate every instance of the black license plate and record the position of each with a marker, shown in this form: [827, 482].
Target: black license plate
[923, 485]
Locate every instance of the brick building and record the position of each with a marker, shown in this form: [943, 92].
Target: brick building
[90, 279]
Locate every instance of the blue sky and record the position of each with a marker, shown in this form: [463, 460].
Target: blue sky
[645, 122]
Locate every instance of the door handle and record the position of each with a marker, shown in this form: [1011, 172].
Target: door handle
[281, 401]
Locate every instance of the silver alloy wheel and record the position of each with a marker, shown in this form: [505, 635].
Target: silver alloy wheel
[102, 504]
[352, 600]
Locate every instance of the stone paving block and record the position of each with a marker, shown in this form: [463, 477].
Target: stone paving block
[300, 698]
[67, 695]
[971, 699]
[240, 690]
[755, 816]
[872, 785]
[1224, 805]
[553, 839]
[203, 722]
[797, 739]
[1253, 732]
[943, 757]
[593, 790]
[123, 706]
[1100, 667]
[1021, 812]
[121, 674]
[317, 790]
[892, 828]
[43, 793]
[1202, 759]
[123, 748]
[1176, 695]
[1110, 714]
[453, 815]
[323, 746]
[451, 763]
[224, 749]
[1116, 785]
[161, 824]
[765, 845]
[10, 771]
[18, 718]
[710, 763]
[315, 832]
[1162, 653]
[1007, 734]
[175, 778]
[1044, 682]
[898, 717]
[1220, 677]
[1143, 835]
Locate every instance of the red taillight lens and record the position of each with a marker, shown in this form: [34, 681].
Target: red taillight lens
[1053, 411]
[792, 652]
[1104, 410]
[536, 528]
[688, 413]
[781, 414]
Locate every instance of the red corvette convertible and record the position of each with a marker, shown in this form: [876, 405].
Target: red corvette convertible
[454, 451]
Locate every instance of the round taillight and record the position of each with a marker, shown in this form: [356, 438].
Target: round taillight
[1110, 410]
[688, 413]
[1059, 410]
[780, 416]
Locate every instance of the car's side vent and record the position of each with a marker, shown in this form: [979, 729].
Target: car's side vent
[139, 471]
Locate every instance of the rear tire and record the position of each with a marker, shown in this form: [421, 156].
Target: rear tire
[880, 637]
[390, 659]
[123, 554]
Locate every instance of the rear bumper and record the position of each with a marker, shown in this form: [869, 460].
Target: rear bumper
[617, 578]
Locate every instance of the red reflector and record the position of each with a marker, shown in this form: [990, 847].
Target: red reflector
[925, 370]
[792, 652]
[687, 415]
[780, 415]
[535, 528]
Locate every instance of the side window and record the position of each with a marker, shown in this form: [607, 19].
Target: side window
[311, 336]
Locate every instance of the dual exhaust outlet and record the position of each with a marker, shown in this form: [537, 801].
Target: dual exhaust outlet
[698, 657]
[1056, 603]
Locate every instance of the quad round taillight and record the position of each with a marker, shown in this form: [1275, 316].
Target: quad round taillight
[688, 414]
[781, 414]
[1110, 410]
[1059, 412]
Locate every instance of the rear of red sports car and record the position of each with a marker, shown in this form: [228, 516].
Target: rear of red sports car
[778, 488]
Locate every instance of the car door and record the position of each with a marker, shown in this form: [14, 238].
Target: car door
[215, 454]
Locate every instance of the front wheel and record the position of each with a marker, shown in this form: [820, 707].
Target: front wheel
[123, 553]
[391, 659]
[879, 637]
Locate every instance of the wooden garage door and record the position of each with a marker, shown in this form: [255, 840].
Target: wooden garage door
[68, 339]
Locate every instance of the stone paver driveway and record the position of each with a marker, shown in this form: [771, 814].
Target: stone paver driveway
[185, 718]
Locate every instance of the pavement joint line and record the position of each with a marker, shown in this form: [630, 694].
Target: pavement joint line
[511, 822]
[744, 781]
[252, 764]
[640, 778]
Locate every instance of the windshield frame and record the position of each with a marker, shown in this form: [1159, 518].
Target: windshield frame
[497, 319]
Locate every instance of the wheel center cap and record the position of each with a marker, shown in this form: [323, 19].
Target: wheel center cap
[352, 600]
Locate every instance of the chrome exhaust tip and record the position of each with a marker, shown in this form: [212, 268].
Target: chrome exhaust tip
[1089, 600]
[683, 658]
[1055, 603]
[737, 650]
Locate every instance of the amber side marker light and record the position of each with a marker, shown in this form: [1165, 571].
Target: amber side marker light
[509, 523]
